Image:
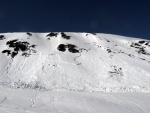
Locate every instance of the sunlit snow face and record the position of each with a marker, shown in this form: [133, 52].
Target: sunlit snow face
[78, 61]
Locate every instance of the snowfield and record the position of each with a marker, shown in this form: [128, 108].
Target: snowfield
[61, 72]
[31, 101]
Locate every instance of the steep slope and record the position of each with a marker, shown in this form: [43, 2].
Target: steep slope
[74, 61]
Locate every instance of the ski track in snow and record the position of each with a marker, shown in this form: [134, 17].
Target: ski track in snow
[3, 98]
[33, 101]
[81, 102]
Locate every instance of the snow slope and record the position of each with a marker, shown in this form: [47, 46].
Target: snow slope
[66, 73]
[35, 101]
[74, 61]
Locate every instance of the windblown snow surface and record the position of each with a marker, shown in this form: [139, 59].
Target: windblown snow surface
[61, 72]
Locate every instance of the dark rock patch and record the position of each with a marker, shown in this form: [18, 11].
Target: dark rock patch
[65, 36]
[141, 42]
[140, 48]
[71, 48]
[11, 42]
[109, 51]
[142, 51]
[52, 34]
[7, 51]
[130, 55]
[13, 54]
[19, 46]
[2, 37]
[131, 45]
[29, 34]
[62, 47]
[83, 49]
[33, 46]
[26, 43]
[136, 44]
[93, 33]
[118, 72]
[142, 59]
[26, 54]
[107, 40]
[146, 44]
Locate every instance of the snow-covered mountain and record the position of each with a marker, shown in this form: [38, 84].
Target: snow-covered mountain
[55, 73]
[74, 61]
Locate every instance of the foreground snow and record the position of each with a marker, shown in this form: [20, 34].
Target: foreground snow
[31, 101]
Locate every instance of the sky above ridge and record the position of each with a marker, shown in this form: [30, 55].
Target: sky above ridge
[121, 17]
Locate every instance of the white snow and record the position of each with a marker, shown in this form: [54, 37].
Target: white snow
[31, 101]
[39, 73]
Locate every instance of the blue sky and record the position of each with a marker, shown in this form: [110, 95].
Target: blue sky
[122, 17]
